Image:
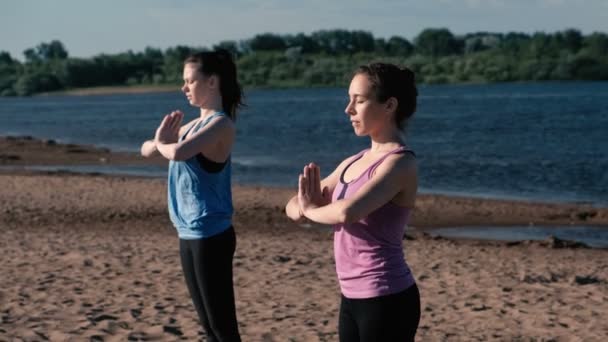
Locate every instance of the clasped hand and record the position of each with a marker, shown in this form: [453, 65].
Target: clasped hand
[168, 130]
[310, 194]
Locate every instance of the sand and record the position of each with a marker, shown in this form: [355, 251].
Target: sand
[94, 257]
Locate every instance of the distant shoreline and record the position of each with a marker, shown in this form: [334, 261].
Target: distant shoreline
[169, 88]
[112, 90]
[150, 89]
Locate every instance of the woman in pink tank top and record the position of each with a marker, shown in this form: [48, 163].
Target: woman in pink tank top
[368, 199]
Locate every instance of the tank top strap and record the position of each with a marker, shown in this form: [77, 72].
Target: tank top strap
[353, 160]
[356, 157]
[207, 120]
[187, 131]
[374, 166]
[198, 125]
[213, 116]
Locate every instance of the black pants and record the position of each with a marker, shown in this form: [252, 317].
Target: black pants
[207, 265]
[391, 318]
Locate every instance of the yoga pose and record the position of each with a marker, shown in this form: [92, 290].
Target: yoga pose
[368, 199]
[199, 187]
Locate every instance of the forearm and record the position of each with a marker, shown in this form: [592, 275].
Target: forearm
[292, 209]
[167, 150]
[148, 148]
[333, 213]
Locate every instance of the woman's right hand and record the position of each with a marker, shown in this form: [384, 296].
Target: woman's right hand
[309, 190]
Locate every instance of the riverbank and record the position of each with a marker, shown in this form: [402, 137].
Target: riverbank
[111, 90]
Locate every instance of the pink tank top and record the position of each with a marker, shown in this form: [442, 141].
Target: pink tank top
[369, 253]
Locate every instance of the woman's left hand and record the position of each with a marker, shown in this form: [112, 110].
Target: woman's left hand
[168, 130]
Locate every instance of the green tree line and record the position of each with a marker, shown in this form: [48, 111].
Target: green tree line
[325, 58]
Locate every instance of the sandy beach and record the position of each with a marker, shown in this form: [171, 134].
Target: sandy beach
[94, 257]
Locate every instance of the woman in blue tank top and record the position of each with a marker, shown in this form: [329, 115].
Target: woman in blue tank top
[199, 188]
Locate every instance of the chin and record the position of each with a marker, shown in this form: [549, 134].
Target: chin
[359, 132]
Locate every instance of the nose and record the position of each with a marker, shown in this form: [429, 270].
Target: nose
[349, 110]
[184, 88]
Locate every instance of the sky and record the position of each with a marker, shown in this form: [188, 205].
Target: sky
[90, 27]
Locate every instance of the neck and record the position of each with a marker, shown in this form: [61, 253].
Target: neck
[387, 141]
[212, 107]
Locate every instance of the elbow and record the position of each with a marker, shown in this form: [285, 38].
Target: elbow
[146, 153]
[289, 214]
[293, 213]
[146, 150]
[296, 219]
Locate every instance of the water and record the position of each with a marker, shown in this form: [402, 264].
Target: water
[592, 236]
[543, 141]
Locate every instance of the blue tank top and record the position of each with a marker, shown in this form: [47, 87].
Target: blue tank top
[200, 202]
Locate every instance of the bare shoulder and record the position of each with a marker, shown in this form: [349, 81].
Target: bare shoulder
[403, 164]
[225, 122]
[222, 124]
[405, 159]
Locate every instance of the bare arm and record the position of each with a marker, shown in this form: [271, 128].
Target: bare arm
[204, 141]
[148, 149]
[396, 174]
[292, 209]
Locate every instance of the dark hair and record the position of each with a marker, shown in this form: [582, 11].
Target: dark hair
[388, 80]
[220, 63]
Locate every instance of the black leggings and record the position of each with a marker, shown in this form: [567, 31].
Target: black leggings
[391, 318]
[207, 266]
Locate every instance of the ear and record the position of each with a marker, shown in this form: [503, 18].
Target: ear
[391, 104]
[213, 81]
